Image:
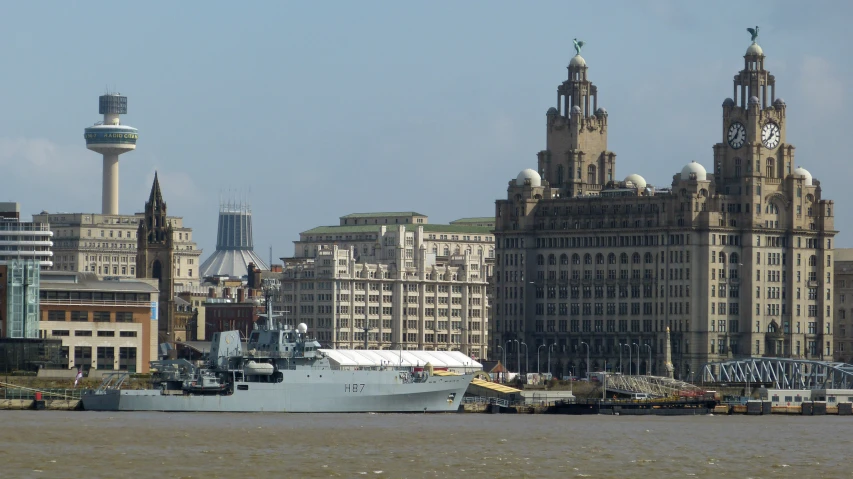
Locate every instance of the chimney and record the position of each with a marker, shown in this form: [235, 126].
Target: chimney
[240, 295]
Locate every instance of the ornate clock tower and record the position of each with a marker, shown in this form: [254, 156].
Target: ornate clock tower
[576, 161]
[753, 133]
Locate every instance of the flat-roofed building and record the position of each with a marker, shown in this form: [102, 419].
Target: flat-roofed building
[24, 240]
[391, 281]
[106, 245]
[103, 324]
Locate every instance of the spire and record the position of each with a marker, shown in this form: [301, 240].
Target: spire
[156, 223]
[156, 197]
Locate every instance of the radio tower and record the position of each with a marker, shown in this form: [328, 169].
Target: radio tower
[110, 138]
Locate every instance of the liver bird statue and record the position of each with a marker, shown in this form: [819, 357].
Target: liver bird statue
[753, 32]
[578, 45]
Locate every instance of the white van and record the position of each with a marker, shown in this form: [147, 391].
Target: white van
[636, 396]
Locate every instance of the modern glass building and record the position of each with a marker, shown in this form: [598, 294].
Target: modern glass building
[22, 299]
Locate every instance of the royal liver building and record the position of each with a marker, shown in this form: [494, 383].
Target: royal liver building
[736, 260]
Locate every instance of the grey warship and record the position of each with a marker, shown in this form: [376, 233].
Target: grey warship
[283, 370]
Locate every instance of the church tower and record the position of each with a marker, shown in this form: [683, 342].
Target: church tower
[576, 161]
[155, 257]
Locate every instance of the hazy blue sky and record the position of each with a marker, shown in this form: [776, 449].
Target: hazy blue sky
[327, 108]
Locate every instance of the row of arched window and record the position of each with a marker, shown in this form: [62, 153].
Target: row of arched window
[648, 258]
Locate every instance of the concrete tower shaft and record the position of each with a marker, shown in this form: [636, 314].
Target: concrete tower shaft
[110, 138]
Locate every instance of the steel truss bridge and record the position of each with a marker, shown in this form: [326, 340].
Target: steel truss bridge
[781, 373]
[653, 385]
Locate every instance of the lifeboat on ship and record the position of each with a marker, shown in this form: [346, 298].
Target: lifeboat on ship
[253, 368]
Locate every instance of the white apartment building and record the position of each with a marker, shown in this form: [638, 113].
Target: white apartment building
[392, 280]
[24, 240]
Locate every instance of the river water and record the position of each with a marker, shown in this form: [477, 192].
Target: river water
[53, 444]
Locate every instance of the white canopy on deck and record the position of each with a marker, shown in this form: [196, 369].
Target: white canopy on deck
[452, 360]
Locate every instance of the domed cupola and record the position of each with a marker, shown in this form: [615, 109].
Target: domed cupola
[636, 180]
[693, 172]
[801, 172]
[528, 177]
[754, 50]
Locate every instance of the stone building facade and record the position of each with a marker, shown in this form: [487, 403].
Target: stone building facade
[736, 261]
[106, 245]
[843, 302]
[394, 277]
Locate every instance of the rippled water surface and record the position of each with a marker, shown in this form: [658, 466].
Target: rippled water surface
[195, 445]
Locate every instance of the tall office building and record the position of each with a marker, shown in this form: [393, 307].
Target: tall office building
[735, 261]
[392, 281]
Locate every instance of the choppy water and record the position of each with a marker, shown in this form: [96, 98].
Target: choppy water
[195, 445]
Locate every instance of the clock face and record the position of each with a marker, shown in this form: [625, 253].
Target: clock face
[770, 135]
[737, 135]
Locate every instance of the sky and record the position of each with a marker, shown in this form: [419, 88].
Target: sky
[314, 110]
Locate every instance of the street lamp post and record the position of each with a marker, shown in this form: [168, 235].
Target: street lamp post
[620, 357]
[587, 359]
[748, 374]
[549, 358]
[504, 363]
[518, 356]
[649, 365]
[638, 358]
[505, 351]
[526, 358]
[539, 371]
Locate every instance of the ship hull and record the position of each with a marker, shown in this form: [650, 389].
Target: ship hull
[301, 391]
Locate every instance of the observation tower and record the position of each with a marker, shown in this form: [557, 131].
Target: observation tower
[110, 138]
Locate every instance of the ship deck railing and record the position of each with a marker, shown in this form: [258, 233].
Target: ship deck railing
[14, 392]
[486, 400]
[112, 381]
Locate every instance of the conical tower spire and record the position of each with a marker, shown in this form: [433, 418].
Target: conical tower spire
[155, 199]
[155, 224]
